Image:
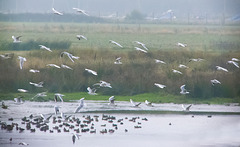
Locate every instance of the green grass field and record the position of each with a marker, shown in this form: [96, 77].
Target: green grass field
[135, 78]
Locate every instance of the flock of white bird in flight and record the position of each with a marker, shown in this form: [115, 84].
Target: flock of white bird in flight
[92, 91]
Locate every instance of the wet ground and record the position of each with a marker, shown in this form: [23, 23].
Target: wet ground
[102, 125]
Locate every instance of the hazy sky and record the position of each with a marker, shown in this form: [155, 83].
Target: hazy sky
[123, 7]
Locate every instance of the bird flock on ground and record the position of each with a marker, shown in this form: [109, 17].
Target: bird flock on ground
[93, 89]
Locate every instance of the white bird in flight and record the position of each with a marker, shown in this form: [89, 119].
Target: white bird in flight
[141, 50]
[134, 104]
[118, 61]
[21, 62]
[91, 91]
[196, 60]
[34, 71]
[181, 44]
[66, 67]
[22, 90]
[176, 71]
[53, 65]
[18, 100]
[148, 103]
[159, 61]
[16, 39]
[91, 71]
[221, 68]
[70, 56]
[235, 59]
[46, 48]
[183, 90]
[81, 104]
[58, 96]
[39, 85]
[142, 44]
[56, 109]
[214, 81]
[45, 119]
[56, 12]
[234, 63]
[186, 108]
[114, 42]
[104, 84]
[42, 94]
[182, 66]
[5, 56]
[81, 11]
[111, 101]
[160, 85]
[79, 37]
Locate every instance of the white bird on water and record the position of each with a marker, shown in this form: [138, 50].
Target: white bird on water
[58, 96]
[186, 108]
[91, 91]
[66, 67]
[221, 68]
[160, 85]
[39, 85]
[141, 50]
[142, 44]
[81, 104]
[183, 90]
[118, 61]
[53, 65]
[214, 81]
[234, 63]
[182, 66]
[148, 103]
[159, 61]
[111, 101]
[34, 71]
[81, 11]
[56, 12]
[91, 71]
[176, 71]
[181, 44]
[23, 143]
[22, 60]
[70, 56]
[16, 39]
[22, 90]
[114, 42]
[79, 37]
[134, 104]
[46, 48]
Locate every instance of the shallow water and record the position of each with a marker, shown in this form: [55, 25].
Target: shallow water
[221, 129]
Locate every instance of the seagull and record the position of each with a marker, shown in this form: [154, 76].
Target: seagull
[235, 59]
[34, 71]
[234, 63]
[214, 81]
[16, 39]
[176, 71]
[196, 60]
[92, 91]
[64, 117]
[142, 44]
[81, 11]
[45, 119]
[182, 66]
[46, 48]
[111, 101]
[18, 100]
[42, 94]
[186, 108]
[81, 104]
[74, 137]
[183, 90]
[22, 60]
[181, 44]
[23, 143]
[91, 71]
[81, 36]
[118, 61]
[160, 85]
[148, 103]
[53, 65]
[56, 109]
[66, 67]
[221, 68]
[114, 42]
[141, 50]
[134, 104]
[58, 96]
[56, 12]
[70, 56]
[5, 56]
[22, 90]
[159, 61]
[104, 84]
[40, 84]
